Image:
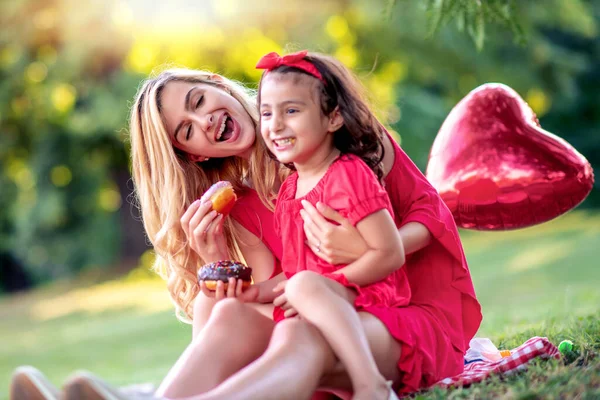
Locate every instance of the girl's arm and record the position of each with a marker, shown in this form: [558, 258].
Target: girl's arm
[385, 252]
[343, 243]
[263, 292]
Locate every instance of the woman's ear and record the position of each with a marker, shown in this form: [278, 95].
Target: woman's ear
[196, 158]
[336, 120]
[217, 78]
[220, 82]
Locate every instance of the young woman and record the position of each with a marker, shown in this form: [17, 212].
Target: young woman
[439, 322]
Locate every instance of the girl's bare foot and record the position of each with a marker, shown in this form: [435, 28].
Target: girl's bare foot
[379, 391]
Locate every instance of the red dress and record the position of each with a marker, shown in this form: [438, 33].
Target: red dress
[444, 314]
[352, 189]
[250, 212]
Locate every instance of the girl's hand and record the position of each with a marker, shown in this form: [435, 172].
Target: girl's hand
[282, 301]
[250, 295]
[234, 289]
[204, 231]
[336, 244]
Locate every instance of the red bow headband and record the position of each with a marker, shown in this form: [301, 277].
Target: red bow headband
[296, 60]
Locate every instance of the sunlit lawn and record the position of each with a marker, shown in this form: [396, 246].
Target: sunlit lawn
[541, 281]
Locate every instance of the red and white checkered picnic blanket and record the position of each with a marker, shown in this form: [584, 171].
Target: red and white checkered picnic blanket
[479, 370]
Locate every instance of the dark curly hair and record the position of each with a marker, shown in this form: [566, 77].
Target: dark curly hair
[361, 134]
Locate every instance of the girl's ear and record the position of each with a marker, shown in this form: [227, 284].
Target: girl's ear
[336, 120]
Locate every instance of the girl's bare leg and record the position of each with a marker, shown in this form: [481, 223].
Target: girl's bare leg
[329, 306]
[234, 336]
[385, 349]
[291, 367]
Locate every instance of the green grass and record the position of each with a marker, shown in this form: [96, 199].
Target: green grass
[540, 281]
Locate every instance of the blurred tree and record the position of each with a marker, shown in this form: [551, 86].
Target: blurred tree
[68, 74]
[471, 16]
[62, 106]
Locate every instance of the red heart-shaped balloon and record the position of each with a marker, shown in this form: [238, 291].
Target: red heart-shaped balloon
[497, 169]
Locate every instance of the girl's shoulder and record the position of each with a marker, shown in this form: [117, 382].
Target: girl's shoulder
[287, 191]
[351, 166]
[351, 174]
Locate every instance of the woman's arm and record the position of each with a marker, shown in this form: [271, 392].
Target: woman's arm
[385, 252]
[258, 257]
[255, 252]
[415, 236]
[342, 243]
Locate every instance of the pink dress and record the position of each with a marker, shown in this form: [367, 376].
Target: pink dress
[351, 188]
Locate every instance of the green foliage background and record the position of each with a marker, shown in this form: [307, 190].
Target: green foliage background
[69, 71]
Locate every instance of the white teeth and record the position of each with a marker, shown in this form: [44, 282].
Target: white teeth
[283, 142]
[222, 128]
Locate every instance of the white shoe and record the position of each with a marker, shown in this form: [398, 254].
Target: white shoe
[28, 383]
[86, 386]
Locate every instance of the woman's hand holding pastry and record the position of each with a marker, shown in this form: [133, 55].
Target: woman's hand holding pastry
[203, 228]
[234, 289]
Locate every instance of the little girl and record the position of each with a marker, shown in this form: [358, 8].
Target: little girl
[313, 119]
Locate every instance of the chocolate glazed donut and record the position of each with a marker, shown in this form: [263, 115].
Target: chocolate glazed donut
[222, 271]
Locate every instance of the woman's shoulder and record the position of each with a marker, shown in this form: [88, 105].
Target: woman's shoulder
[246, 197]
[249, 206]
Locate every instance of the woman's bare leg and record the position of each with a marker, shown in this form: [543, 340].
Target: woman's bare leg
[329, 306]
[291, 367]
[298, 357]
[203, 306]
[234, 336]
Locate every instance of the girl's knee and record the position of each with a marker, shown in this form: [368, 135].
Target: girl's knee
[304, 283]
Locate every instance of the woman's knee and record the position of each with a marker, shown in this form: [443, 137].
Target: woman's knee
[297, 333]
[228, 310]
[203, 306]
[299, 336]
[233, 315]
[303, 284]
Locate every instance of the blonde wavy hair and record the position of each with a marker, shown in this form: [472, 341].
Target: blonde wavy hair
[167, 182]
